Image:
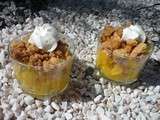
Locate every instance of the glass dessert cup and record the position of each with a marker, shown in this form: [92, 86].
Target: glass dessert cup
[39, 82]
[118, 69]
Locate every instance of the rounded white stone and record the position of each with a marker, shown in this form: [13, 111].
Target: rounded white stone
[102, 81]
[49, 116]
[23, 116]
[68, 116]
[100, 110]
[38, 103]
[98, 88]
[12, 101]
[55, 106]
[46, 102]
[48, 109]
[98, 99]
[75, 106]
[16, 107]
[107, 92]
[28, 108]
[157, 89]
[29, 100]
[64, 106]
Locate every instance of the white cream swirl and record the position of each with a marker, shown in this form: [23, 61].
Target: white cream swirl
[133, 32]
[44, 37]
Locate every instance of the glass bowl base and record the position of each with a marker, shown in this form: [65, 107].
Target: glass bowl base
[44, 96]
[119, 82]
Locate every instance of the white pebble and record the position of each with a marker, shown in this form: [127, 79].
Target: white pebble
[40, 110]
[75, 106]
[28, 108]
[151, 88]
[97, 99]
[29, 100]
[157, 89]
[48, 116]
[103, 81]
[123, 109]
[23, 116]
[2, 57]
[100, 110]
[155, 116]
[58, 119]
[47, 102]
[117, 98]
[70, 110]
[48, 109]
[124, 117]
[141, 116]
[38, 21]
[107, 92]
[148, 98]
[98, 88]
[18, 90]
[91, 115]
[129, 90]
[33, 106]
[12, 101]
[93, 107]
[16, 107]
[55, 106]
[132, 106]
[85, 109]
[19, 26]
[68, 116]
[8, 115]
[156, 38]
[136, 93]
[38, 103]
[64, 106]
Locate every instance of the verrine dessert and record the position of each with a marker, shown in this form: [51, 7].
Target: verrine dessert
[42, 61]
[122, 52]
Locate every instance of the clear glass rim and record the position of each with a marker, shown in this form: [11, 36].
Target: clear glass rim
[71, 48]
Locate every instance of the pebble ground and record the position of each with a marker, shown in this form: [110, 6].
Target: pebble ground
[89, 96]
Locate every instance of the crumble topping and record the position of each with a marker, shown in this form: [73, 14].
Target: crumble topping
[28, 53]
[112, 42]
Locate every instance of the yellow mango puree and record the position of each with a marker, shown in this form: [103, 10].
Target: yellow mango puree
[41, 83]
[116, 70]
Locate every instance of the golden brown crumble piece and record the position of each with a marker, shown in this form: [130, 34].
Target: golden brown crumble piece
[107, 44]
[54, 60]
[50, 63]
[30, 54]
[108, 30]
[112, 42]
[32, 48]
[128, 48]
[139, 49]
[132, 43]
[19, 51]
[116, 41]
[120, 53]
[119, 31]
[108, 52]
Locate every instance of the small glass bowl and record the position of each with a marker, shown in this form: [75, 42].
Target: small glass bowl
[120, 70]
[41, 83]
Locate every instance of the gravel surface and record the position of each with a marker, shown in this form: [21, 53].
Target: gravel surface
[89, 96]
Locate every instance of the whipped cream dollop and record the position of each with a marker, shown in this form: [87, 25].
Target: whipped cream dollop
[44, 37]
[133, 32]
